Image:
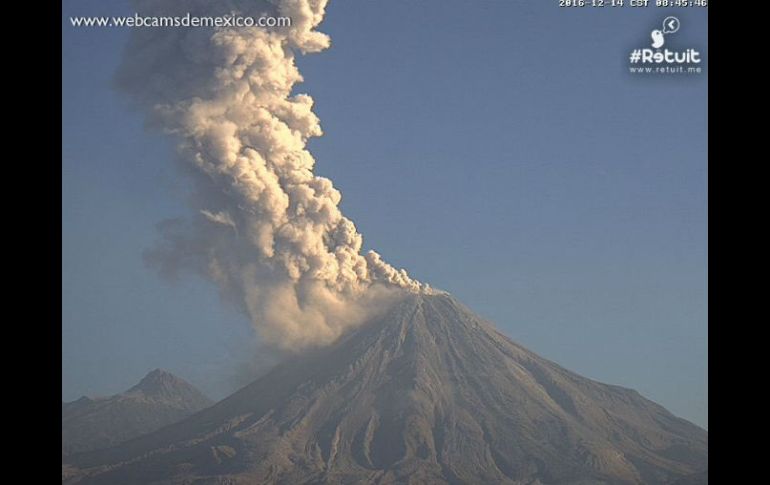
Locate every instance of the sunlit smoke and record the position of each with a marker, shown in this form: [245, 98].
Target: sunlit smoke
[266, 229]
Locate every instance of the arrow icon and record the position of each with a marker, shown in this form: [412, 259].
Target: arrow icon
[670, 25]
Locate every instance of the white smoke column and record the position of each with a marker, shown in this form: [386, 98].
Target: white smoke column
[268, 231]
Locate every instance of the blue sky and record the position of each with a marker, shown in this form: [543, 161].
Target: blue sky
[498, 150]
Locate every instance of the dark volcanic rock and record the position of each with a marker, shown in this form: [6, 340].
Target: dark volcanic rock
[428, 394]
[700, 478]
[158, 400]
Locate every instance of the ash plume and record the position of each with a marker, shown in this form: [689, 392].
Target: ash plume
[265, 228]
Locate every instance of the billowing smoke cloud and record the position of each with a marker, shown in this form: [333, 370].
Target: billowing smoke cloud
[267, 230]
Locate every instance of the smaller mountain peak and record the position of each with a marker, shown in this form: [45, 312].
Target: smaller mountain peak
[160, 398]
[159, 381]
[162, 385]
[159, 374]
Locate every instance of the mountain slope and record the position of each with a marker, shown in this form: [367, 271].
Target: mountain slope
[429, 393]
[159, 399]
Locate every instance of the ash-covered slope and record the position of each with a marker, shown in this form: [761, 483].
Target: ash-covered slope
[429, 394]
[159, 399]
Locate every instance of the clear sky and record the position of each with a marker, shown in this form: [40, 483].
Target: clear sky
[496, 149]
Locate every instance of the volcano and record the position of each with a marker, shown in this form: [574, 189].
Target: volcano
[428, 393]
[159, 399]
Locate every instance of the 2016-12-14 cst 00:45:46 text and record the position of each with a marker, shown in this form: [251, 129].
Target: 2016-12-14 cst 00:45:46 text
[633, 3]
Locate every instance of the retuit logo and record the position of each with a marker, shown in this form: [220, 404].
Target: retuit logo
[656, 55]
